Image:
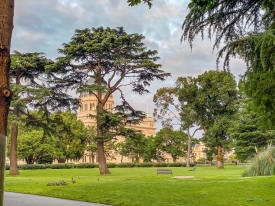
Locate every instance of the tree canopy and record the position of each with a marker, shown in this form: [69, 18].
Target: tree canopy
[114, 60]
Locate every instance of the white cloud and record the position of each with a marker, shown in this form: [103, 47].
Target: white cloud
[42, 26]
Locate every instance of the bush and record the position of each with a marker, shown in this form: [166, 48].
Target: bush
[47, 159]
[126, 164]
[62, 166]
[160, 164]
[86, 165]
[262, 164]
[31, 167]
[111, 165]
[176, 164]
[201, 161]
[144, 164]
[7, 167]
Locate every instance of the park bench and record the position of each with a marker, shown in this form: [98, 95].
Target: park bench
[164, 171]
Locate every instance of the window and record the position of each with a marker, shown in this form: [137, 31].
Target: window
[85, 107]
[91, 106]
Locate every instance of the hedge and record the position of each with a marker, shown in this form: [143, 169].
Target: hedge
[94, 165]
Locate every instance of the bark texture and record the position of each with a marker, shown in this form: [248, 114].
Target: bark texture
[14, 134]
[219, 157]
[6, 27]
[102, 163]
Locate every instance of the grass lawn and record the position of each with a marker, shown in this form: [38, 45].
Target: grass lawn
[142, 186]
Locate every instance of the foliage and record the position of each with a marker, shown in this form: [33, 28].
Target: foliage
[71, 135]
[248, 130]
[247, 27]
[212, 99]
[86, 165]
[134, 145]
[113, 59]
[62, 166]
[172, 142]
[33, 145]
[136, 2]
[262, 164]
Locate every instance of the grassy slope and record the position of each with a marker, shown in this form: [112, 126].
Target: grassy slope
[141, 186]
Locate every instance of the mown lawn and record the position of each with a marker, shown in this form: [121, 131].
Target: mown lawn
[142, 186]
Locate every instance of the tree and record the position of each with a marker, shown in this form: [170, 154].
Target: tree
[172, 112]
[212, 97]
[33, 145]
[172, 142]
[247, 130]
[26, 73]
[113, 59]
[247, 27]
[134, 145]
[71, 135]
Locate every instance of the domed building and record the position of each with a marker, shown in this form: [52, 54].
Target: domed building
[88, 107]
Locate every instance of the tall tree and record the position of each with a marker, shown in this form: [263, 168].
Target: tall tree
[26, 73]
[213, 99]
[113, 59]
[170, 111]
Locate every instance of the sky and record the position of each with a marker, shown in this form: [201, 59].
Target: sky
[43, 26]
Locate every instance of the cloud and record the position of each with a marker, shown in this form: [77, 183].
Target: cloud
[43, 26]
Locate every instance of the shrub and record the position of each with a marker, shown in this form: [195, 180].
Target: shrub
[47, 159]
[111, 165]
[144, 164]
[262, 164]
[62, 166]
[86, 165]
[31, 167]
[7, 167]
[201, 161]
[176, 164]
[160, 164]
[126, 164]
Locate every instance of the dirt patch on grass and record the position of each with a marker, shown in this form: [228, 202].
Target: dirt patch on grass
[183, 177]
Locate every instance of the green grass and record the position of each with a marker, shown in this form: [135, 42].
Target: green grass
[141, 186]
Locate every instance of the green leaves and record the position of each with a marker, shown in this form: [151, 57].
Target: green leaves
[136, 2]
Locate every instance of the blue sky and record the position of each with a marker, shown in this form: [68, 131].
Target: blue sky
[43, 26]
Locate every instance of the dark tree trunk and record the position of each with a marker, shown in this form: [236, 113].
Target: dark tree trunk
[13, 152]
[219, 157]
[174, 159]
[14, 134]
[102, 163]
[6, 27]
[188, 150]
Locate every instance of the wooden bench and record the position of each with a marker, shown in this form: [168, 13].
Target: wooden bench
[164, 171]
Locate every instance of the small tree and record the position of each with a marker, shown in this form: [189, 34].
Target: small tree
[113, 59]
[172, 142]
[172, 112]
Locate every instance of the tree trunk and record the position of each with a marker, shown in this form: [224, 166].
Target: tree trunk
[14, 135]
[13, 151]
[6, 27]
[219, 157]
[174, 159]
[188, 151]
[102, 164]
